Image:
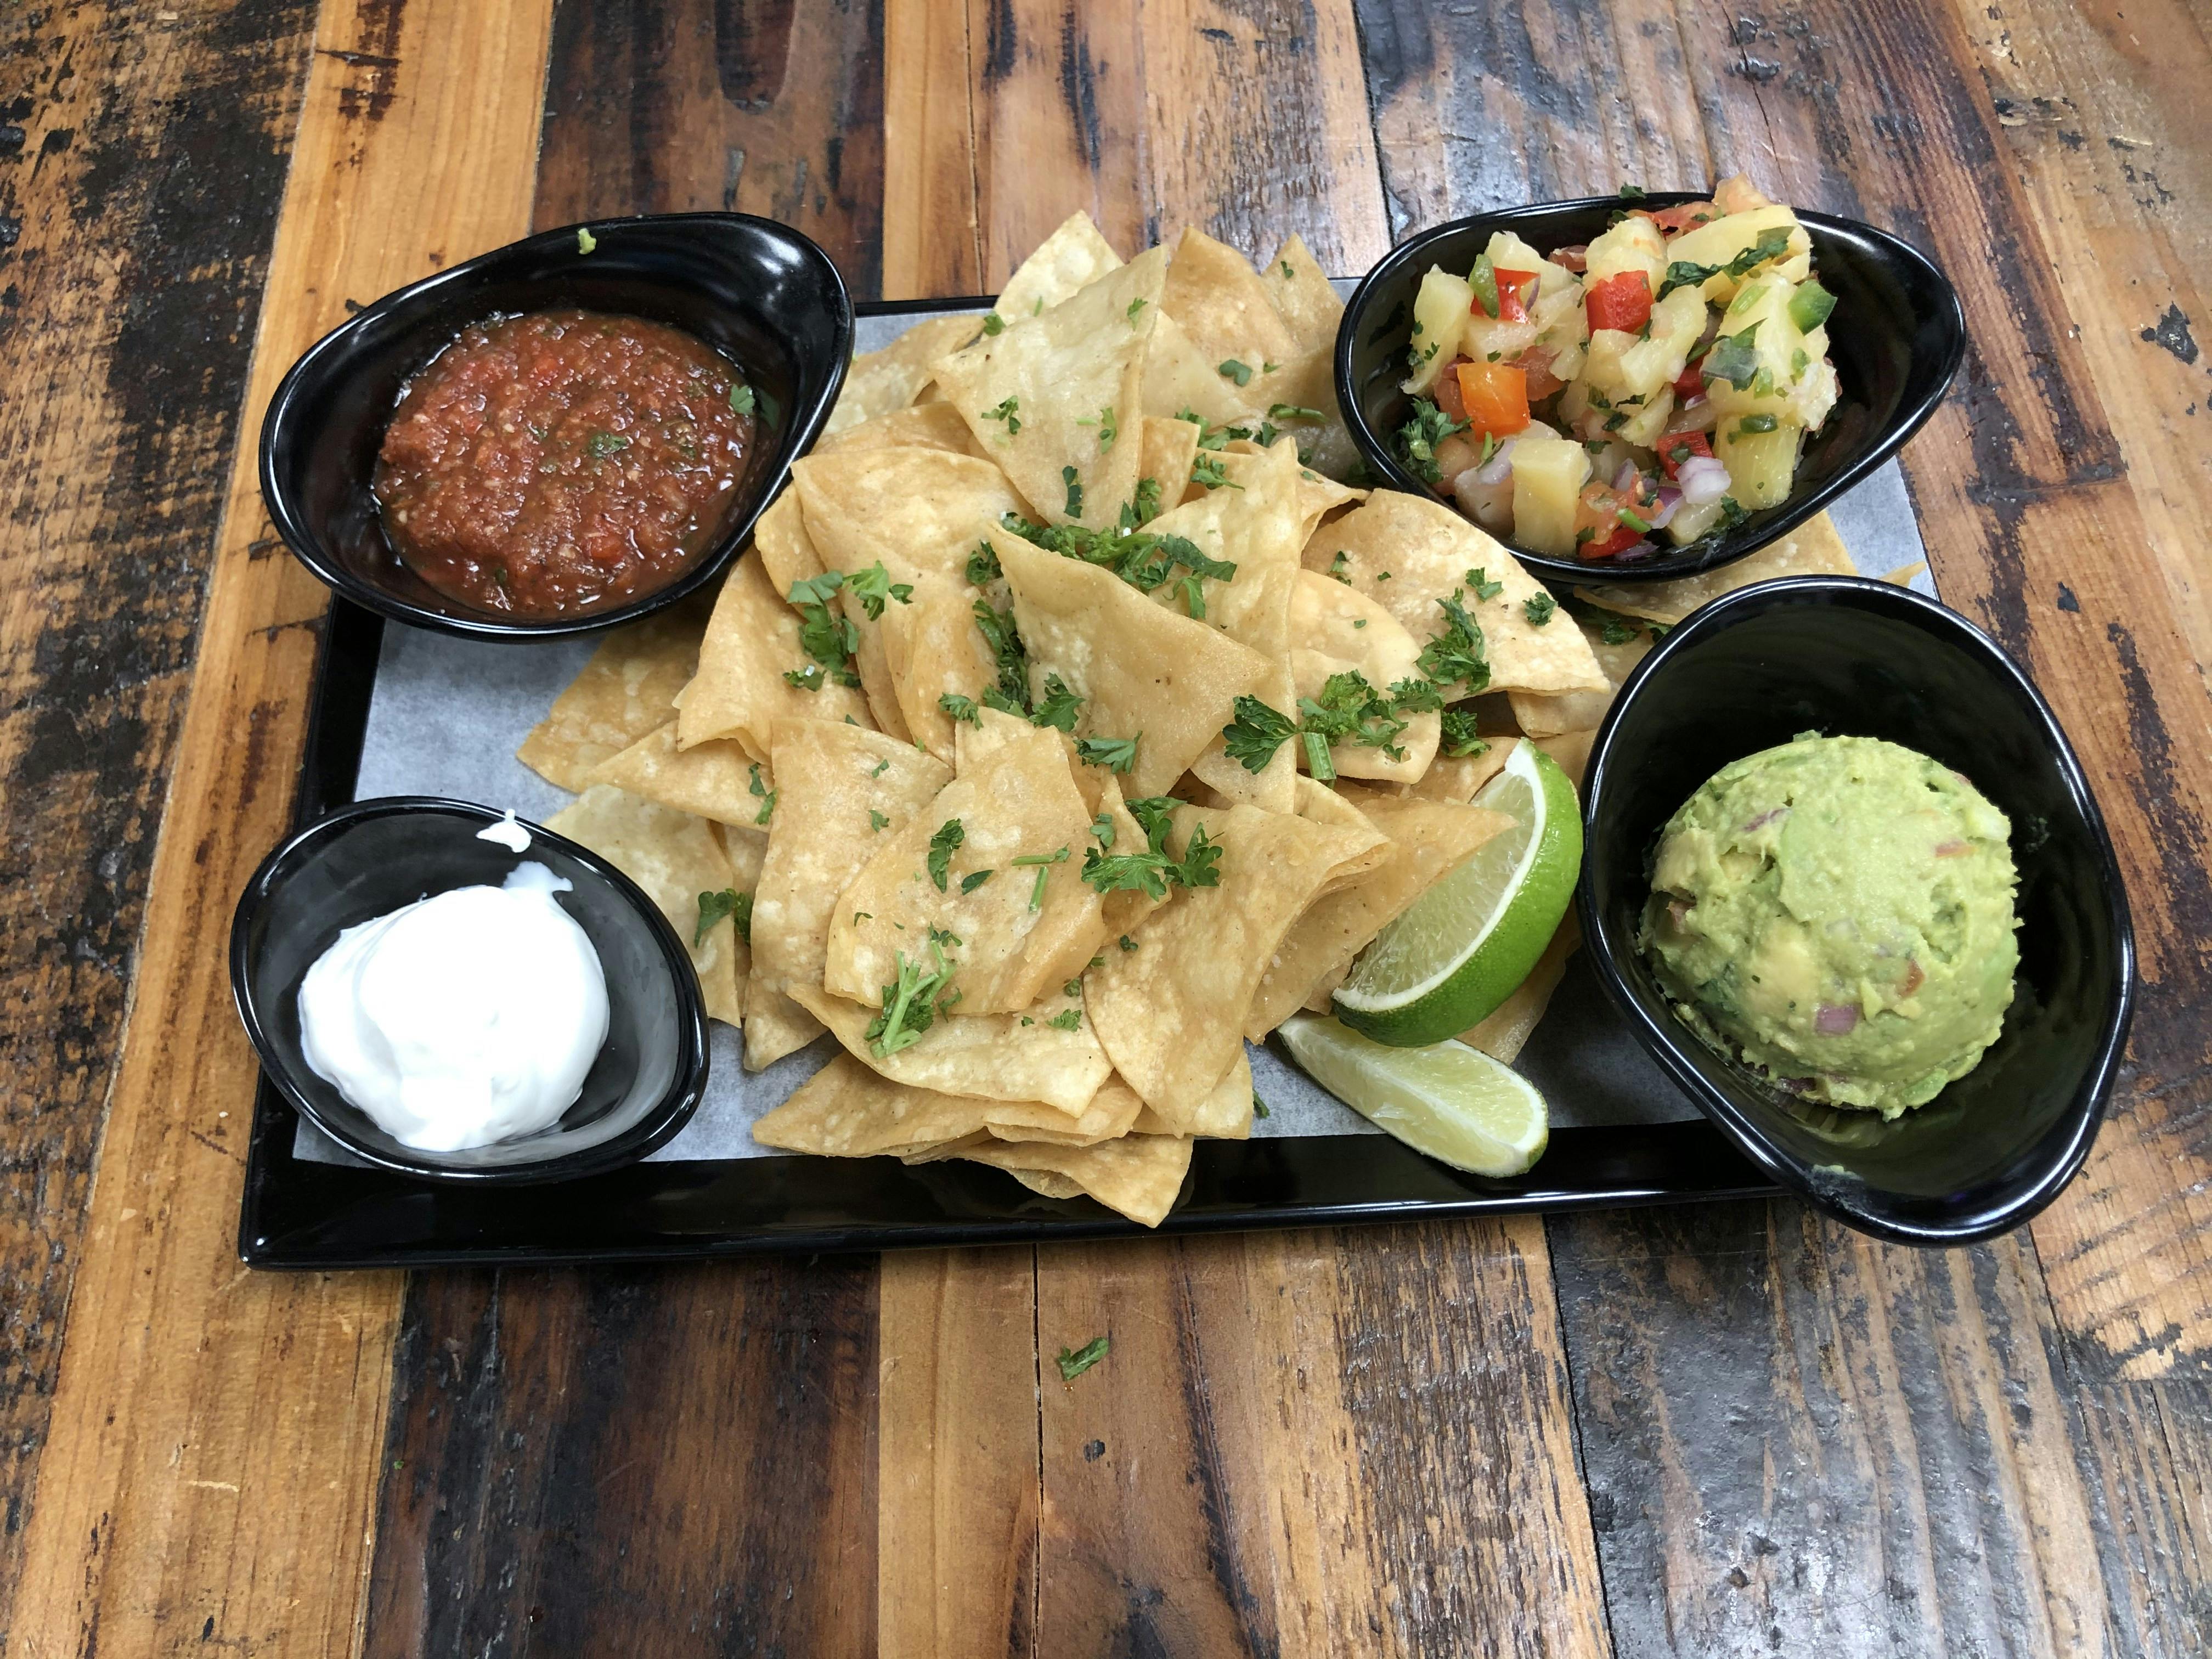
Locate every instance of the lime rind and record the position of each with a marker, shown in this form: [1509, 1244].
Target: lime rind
[1452, 1102]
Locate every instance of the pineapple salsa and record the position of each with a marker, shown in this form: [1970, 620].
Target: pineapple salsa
[1658, 381]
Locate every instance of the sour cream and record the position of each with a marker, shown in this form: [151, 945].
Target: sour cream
[470, 1017]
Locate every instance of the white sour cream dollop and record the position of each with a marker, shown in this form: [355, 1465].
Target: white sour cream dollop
[461, 1020]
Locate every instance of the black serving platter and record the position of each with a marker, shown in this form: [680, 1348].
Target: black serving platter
[1897, 338]
[304, 1213]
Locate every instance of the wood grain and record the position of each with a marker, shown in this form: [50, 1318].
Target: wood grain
[211, 1454]
[126, 314]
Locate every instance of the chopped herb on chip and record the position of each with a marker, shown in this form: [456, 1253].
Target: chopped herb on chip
[1538, 607]
[1066, 1020]
[973, 879]
[876, 588]
[1114, 754]
[942, 846]
[1009, 410]
[1230, 369]
[713, 907]
[960, 707]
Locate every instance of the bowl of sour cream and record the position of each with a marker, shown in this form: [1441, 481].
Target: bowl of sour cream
[447, 992]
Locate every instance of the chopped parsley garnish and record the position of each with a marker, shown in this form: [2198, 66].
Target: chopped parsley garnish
[1074, 506]
[1114, 754]
[600, 444]
[875, 589]
[765, 795]
[983, 565]
[1011, 695]
[1135, 306]
[1685, 273]
[1072, 1365]
[1256, 732]
[912, 1003]
[993, 323]
[1479, 579]
[1058, 707]
[713, 907]
[586, 242]
[1348, 710]
[741, 398]
[976, 879]
[1154, 869]
[1010, 412]
[960, 707]
[1101, 827]
[1459, 740]
[942, 846]
[1208, 469]
[1733, 358]
[1416, 697]
[1752, 423]
[1230, 369]
[1144, 506]
[1108, 431]
[1733, 512]
[1066, 1020]
[1617, 632]
[1073, 988]
[1339, 565]
[878, 822]
[1259, 1106]
[1044, 862]
[1457, 654]
[1539, 607]
[828, 637]
[1141, 558]
[1127, 944]
[882, 766]
[1293, 412]
[1418, 440]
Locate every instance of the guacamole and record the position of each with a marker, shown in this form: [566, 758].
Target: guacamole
[1839, 912]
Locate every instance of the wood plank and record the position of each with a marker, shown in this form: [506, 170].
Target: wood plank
[2148, 1455]
[664, 1460]
[125, 326]
[956, 1517]
[1322, 1441]
[1799, 1440]
[2099, 116]
[214, 1435]
[773, 109]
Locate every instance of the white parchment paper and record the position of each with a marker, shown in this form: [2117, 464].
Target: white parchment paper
[447, 715]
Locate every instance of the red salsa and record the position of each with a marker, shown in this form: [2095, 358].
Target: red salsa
[562, 462]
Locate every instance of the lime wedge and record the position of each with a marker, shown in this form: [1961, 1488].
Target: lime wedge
[1468, 942]
[1453, 1103]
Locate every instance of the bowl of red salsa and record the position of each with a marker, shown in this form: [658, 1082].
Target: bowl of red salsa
[563, 435]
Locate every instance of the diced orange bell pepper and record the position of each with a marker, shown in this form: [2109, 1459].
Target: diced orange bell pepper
[1496, 396]
[1622, 301]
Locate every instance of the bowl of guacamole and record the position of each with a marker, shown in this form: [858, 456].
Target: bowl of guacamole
[1845, 882]
[1837, 913]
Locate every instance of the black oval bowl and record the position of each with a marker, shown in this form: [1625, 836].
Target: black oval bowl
[365, 859]
[1897, 338]
[758, 291]
[1844, 656]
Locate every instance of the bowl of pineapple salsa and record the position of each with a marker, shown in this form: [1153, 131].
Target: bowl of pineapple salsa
[1645, 385]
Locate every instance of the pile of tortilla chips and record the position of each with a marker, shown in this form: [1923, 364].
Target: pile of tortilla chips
[970, 765]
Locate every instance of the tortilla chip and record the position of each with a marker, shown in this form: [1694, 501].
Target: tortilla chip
[992, 1056]
[923, 426]
[1428, 839]
[775, 1026]
[1016, 799]
[712, 779]
[1337, 629]
[1179, 379]
[881, 381]
[920, 513]
[1510, 1024]
[745, 850]
[628, 689]
[782, 545]
[839, 781]
[675, 858]
[1302, 296]
[1224, 1114]
[1171, 1012]
[846, 1110]
[1044, 1182]
[1460, 778]
[1319, 495]
[1255, 527]
[1111, 1113]
[1812, 548]
[1407, 551]
[1142, 670]
[1543, 715]
[1073, 258]
[1139, 1176]
[1081, 362]
[1572, 751]
[739, 691]
[1225, 311]
[1171, 449]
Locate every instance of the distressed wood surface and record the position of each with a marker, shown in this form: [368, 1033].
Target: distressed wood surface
[1715, 1432]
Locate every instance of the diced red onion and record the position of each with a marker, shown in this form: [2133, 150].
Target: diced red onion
[1660, 515]
[1765, 818]
[1636, 550]
[1703, 480]
[1624, 480]
[1951, 849]
[1914, 979]
[1836, 1020]
[1495, 468]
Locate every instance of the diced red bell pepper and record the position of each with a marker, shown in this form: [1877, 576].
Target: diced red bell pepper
[1445, 390]
[1622, 301]
[1686, 216]
[1496, 396]
[1691, 382]
[1674, 448]
[1621, 538]
[1515, 289]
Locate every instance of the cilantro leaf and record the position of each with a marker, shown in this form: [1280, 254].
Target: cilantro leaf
[1457, 654]
[942, 846]
[959, 707]
[1114, 754]
[1459, 740]
[912, 1003]
[1256, 732]
[973, 879]
[713, 907]
[1479, 579]
[1058, 707]
[830, 638]
[1538, 607]
[1066, 1020]
[1418, 439]
[876, 589]
[1074, 506]
[1008, 410]
[1230, 369]
[1072, 1365]
[983, 565]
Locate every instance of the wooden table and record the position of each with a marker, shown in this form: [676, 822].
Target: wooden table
[1735, 1429]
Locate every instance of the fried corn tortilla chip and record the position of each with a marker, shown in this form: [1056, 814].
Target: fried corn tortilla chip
[712, 779]
[739, 691]
[1545, 715]
[1112, 1112]
[881, 381]
[1502, 1035]
[1460, 778]
[1224, 311]
[1572, 751]
[1814, 549]
[1017, 929]
[1171, 1012]
[1427, 839]
[1070, 380]
[1073, 258]
[1142, 670]
[1138, 1176]
[992, 1056]
[1405, 552]
[1178, 381]
[849, 789]
[782, 544]
[627, 690]
[923, 426]
[1171, 448]
[1336, 629]
[675, 858]
[775, 1026]
[846, 1110]
[1224, 1114]
[1302, 296]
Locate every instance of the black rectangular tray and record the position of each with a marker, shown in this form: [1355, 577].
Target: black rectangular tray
[308, 1214]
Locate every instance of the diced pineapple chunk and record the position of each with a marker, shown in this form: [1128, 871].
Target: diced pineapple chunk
[1760, 463]
[1778, 355]
[1492, 339]
[1439, 315]
[1623, 365]
[1548, 476]
[1719, 240]
[1634, 244]
[1691, 522]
